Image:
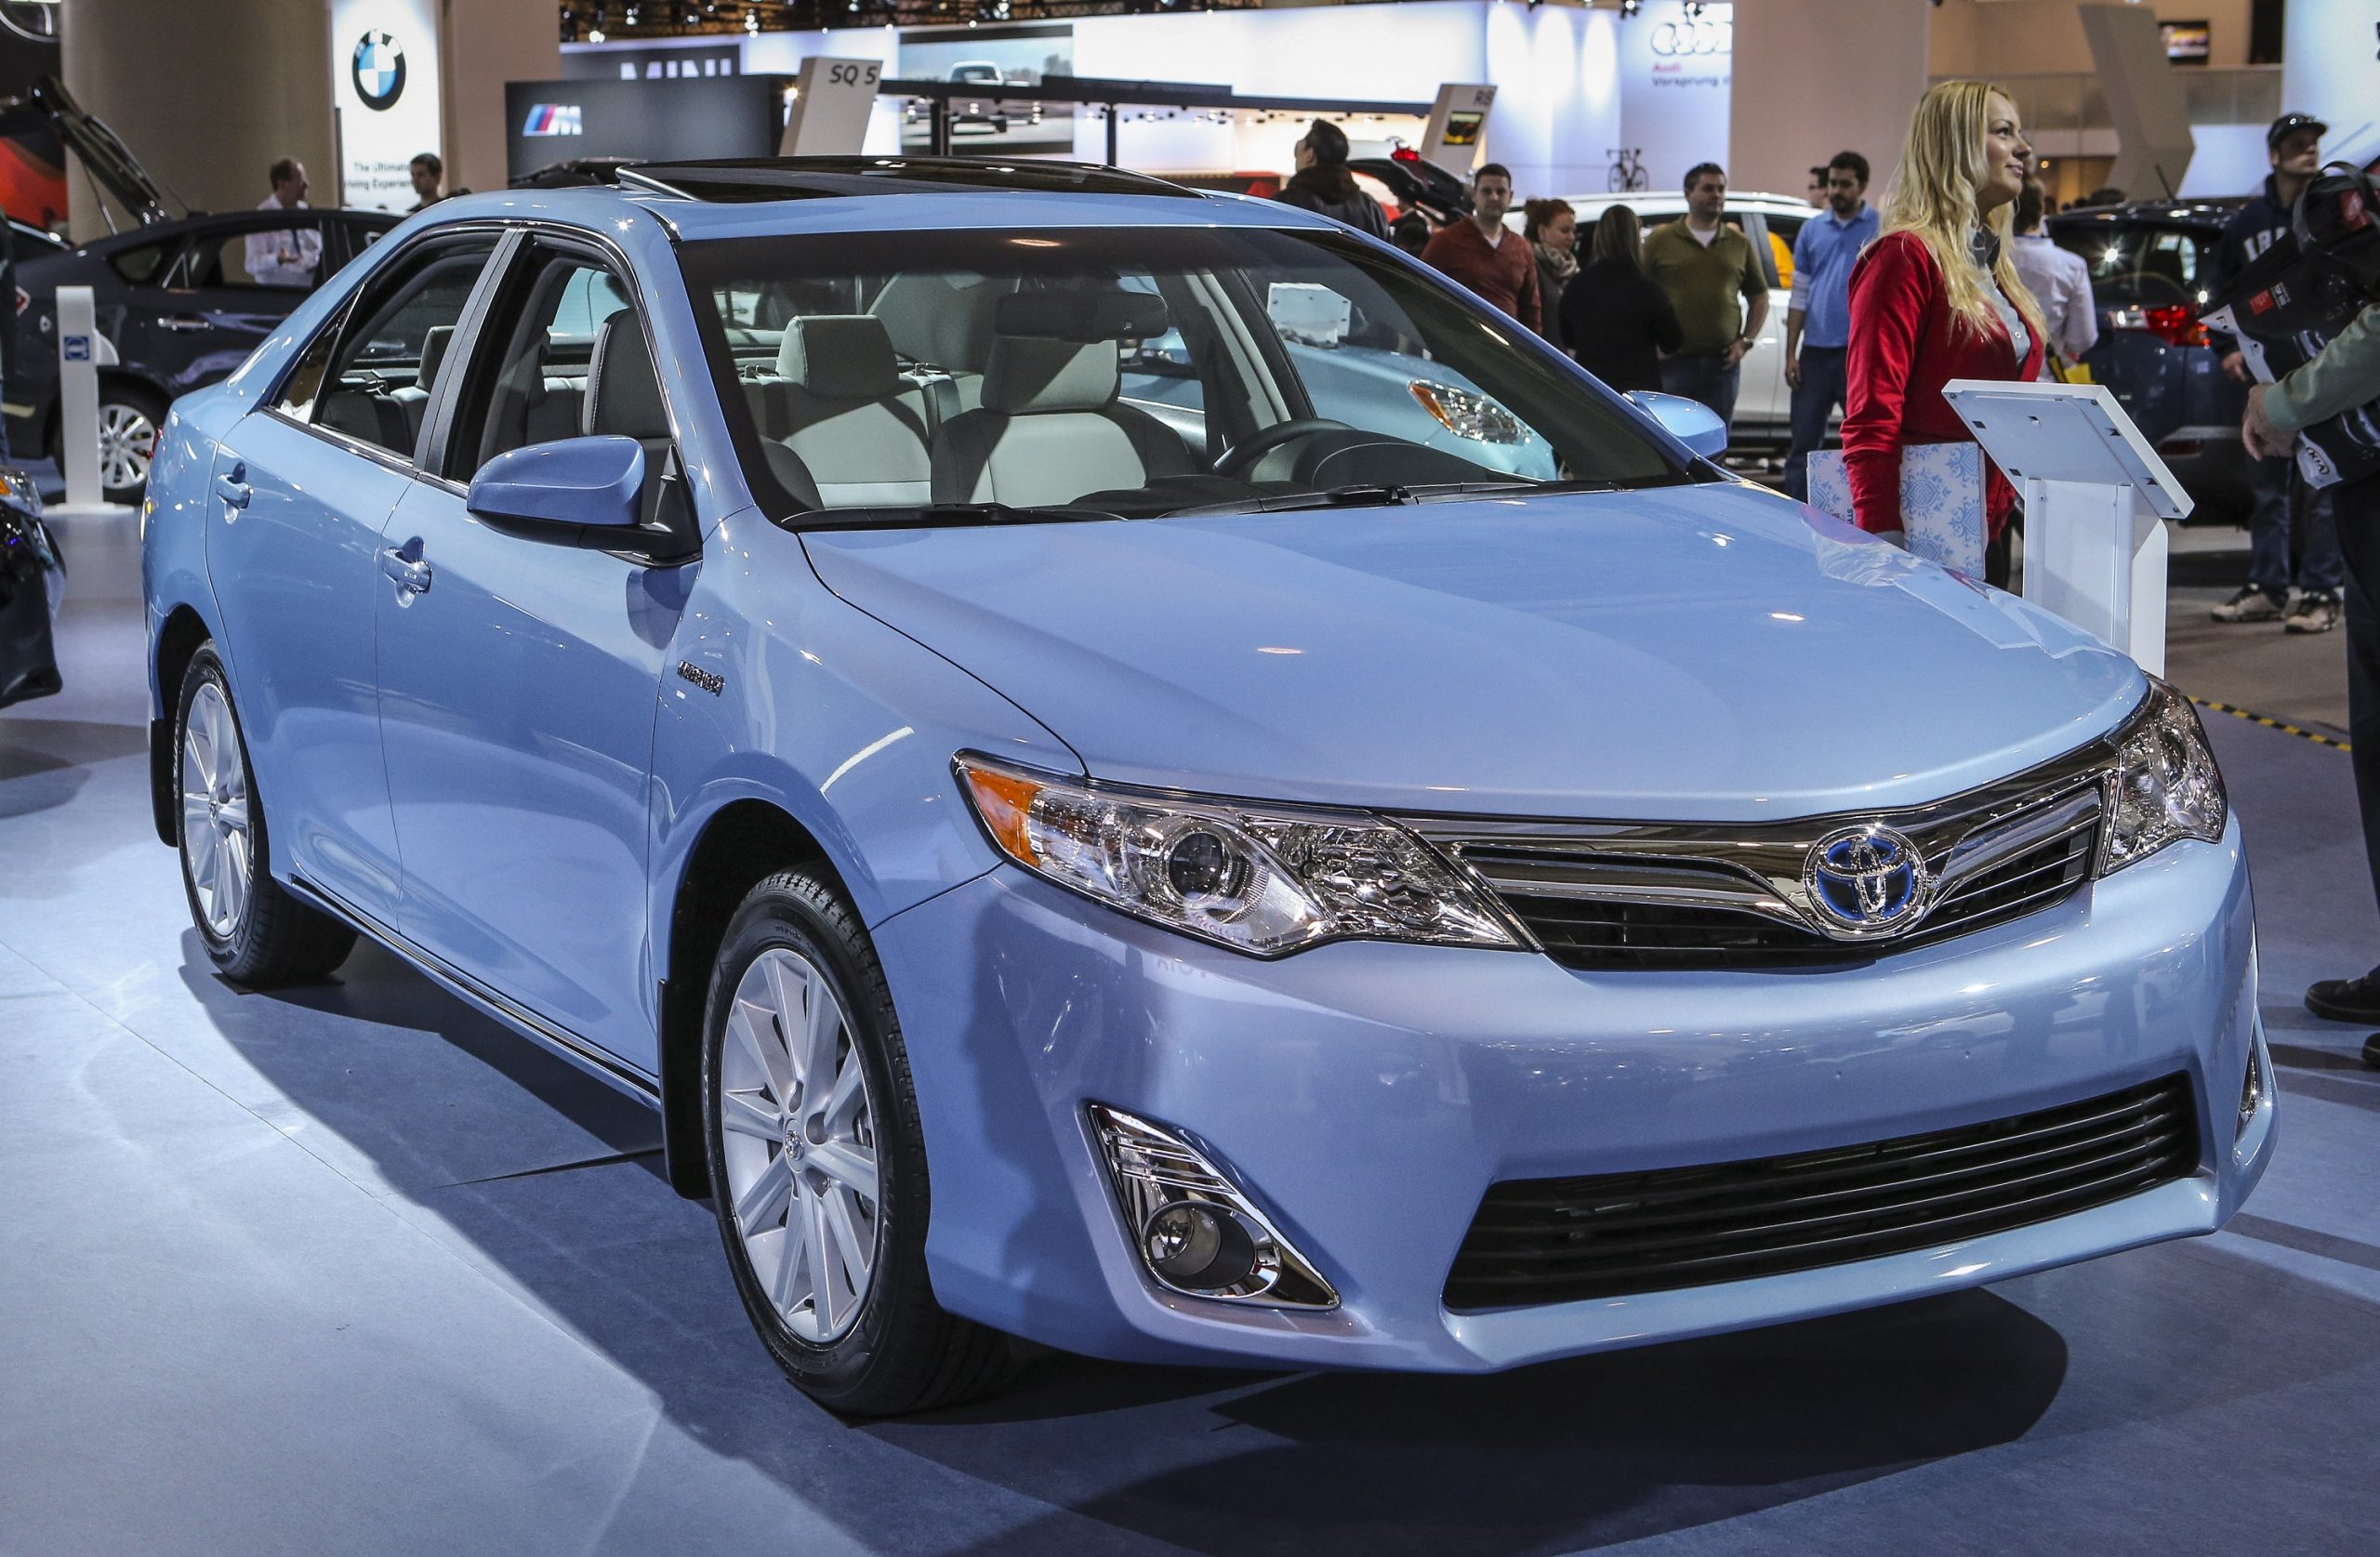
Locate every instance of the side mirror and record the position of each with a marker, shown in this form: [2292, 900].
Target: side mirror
[585, 491]
[1690, 421]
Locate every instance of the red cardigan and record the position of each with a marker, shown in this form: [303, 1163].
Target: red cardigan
[1905, 344]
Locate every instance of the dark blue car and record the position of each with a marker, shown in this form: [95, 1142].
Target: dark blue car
[2153, 273]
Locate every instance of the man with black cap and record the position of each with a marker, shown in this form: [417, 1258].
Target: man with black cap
[2282, 502]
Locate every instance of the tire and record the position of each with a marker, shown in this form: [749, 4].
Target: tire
[789, 1187]
[130, 417]
[256, 933]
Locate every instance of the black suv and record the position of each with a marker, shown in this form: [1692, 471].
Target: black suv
[2152, 274]
[177, 304]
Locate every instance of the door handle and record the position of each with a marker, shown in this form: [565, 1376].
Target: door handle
[183, 322]
[409, 573]
[232, 487]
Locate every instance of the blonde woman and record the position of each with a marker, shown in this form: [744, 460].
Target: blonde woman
[1937, 298]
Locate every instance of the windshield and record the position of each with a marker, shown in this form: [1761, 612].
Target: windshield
[1135, 372]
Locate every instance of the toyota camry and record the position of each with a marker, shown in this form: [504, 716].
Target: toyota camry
[1404, 868]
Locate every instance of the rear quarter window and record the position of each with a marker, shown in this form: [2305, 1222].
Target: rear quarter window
[142, 265]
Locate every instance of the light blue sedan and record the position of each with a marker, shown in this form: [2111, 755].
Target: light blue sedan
[1380, 856]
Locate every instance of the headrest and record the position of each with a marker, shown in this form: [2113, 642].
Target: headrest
[1081, 313]
[1025, 375]
[434, 342]
[840, 356]
[623, 391]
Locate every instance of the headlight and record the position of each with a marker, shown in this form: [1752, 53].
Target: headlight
[2164, 785]
[1260, 881]
[1469, 414]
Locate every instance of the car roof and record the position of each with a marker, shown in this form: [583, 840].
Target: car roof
[168, 231]
[1754, 200]
[853, 194]
[2211, 213]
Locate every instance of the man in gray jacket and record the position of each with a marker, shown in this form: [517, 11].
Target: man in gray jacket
[2346, 375]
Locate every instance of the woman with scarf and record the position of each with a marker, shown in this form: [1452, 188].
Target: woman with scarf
[1552, 229]
[1323, 185]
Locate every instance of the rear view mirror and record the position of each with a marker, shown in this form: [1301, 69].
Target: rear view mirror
[1690, 421]
[595, 484]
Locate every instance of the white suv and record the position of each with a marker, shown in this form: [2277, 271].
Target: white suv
[1764, 405]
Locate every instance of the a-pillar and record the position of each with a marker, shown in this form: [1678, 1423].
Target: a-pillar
[206, 96]
[1814, 77]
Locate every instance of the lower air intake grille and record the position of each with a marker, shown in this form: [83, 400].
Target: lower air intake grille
[1560, 1240]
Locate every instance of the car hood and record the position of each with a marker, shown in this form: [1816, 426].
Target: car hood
[1695, 653]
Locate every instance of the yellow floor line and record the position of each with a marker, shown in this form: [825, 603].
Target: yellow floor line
[2271, 723]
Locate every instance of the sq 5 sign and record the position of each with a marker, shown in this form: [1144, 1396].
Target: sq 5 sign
[384, 78]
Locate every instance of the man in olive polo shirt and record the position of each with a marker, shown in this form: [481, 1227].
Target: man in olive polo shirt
[1716, 284]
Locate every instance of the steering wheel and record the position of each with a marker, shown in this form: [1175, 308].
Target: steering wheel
[1241, 456]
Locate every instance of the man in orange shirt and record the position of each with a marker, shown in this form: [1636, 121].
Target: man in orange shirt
[1485, 256]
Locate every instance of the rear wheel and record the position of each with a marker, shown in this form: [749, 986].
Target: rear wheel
[256, 933]
[130, 416]
[818, 1161]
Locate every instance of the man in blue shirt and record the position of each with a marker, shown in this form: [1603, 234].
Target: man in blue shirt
[1817, 318]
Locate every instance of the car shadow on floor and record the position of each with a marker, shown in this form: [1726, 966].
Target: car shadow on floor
[44, 762]
[1561, 1457]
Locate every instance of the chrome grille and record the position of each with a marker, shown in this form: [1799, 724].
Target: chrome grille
[1563, 1240]
[1597, 896]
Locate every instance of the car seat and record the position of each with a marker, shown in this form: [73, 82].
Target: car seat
[863, 432]
[1050, 429]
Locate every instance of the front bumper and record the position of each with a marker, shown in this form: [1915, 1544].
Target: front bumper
[1366, 1096]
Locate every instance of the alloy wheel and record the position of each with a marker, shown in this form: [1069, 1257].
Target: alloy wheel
[798, 1137]
[217, 846]
[128, 440]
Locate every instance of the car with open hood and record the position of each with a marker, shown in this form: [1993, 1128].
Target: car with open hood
[179, 300]
[1277, 883]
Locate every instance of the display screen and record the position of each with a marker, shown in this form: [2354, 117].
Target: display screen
[2185, 42]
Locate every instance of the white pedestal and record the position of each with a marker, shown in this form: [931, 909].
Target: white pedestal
[2096, 497]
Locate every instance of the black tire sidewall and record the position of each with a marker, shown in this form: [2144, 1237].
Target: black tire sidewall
[205, 666]
[792, 912]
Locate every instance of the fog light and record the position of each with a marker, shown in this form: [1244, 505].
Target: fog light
[2252, 1090]
[1196, 1246]
[1197, 1233]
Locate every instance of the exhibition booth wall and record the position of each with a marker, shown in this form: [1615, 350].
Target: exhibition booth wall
[1574, 86]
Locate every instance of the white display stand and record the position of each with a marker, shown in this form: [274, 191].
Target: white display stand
[82, 351]
[832, 100]
[2096, 497]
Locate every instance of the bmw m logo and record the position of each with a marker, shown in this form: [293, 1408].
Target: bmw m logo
[378, 71]
[554, 119]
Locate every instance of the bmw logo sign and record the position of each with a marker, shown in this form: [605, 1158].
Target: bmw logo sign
[1866, 879]
[378, 71]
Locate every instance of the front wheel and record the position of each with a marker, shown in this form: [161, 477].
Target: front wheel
[818, 1161]
[256, 933]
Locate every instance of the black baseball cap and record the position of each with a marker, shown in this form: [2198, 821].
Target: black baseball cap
[2289, 124]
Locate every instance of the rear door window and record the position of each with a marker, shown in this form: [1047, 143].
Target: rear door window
[286, 256]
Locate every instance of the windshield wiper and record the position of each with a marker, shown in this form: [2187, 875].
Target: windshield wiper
[1362, 496]
[941, 516]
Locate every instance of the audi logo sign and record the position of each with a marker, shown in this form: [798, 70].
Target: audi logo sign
[1674, 39]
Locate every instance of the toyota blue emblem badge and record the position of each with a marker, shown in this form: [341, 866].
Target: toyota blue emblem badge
[1865, 879]
[378, 70]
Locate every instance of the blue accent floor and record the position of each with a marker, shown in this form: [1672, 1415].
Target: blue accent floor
[315, 1273]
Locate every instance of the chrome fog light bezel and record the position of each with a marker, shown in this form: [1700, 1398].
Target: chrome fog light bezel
[2256, 1091]
[1152, 1169]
